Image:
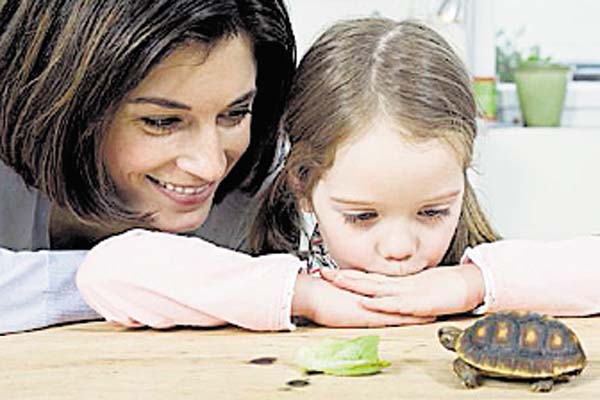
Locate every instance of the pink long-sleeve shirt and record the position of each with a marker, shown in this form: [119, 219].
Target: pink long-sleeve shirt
[560, 278]
[163, 280]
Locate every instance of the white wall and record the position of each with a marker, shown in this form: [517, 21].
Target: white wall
[312, 17]
[567, 30]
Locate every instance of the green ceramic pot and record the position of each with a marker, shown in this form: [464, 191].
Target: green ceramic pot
[541, 90]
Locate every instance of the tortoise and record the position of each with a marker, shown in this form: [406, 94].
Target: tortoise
[517, 345]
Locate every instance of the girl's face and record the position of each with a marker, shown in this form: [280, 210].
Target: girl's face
[388, 204]
[177, 135]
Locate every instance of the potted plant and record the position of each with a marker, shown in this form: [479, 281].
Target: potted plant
[541, 87]
[508, 56]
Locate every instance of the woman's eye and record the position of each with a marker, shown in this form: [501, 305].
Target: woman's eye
[360, 218]
[434, 214]
[233, 118]
[161, 124]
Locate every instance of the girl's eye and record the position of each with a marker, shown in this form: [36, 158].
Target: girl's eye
[161, 124]
[360, 218]
[233, 118]
[434, 214]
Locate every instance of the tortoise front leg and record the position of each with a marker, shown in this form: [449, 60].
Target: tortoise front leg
[467, 374]
[562, 378]
[543, 385]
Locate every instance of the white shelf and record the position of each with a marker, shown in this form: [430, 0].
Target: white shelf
[582, 104]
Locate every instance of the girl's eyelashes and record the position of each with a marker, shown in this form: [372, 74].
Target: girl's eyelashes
[233, 117]
[160, 125]
[434, 214]
[361, 218]
[367, 217]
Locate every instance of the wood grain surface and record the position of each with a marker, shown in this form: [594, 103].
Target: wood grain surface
[99, 361]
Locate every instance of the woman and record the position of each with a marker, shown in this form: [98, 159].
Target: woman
[118, 114]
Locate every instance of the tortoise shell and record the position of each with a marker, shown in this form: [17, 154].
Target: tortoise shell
[521, 345]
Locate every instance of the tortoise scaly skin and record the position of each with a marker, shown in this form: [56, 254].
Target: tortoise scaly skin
[515, 345]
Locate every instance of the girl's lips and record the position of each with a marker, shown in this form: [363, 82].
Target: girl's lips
[189, 197]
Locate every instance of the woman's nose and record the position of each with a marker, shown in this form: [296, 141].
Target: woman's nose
[204, 155]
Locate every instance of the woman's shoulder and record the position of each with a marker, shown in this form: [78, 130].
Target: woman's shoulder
[23, 213]
[228, 221]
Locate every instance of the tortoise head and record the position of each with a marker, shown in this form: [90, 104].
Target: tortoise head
[448, 336]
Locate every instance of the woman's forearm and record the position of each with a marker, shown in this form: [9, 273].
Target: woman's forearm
[38, 290]
[162, 280]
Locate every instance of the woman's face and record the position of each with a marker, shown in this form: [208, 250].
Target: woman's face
[178, 134]
[388, 204]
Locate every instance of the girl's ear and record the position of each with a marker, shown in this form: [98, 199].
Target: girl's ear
[305, 205]
[304, 202]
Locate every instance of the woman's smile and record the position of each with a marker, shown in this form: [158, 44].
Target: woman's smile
[187, 195]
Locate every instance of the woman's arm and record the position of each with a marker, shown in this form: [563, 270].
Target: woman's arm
[37, 289]
[162, 280]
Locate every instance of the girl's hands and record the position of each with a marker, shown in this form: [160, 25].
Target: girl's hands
[431, 292]
[327, 305]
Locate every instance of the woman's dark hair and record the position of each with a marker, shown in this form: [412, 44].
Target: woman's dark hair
[67, 64]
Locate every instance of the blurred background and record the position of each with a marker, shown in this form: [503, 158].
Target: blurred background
[535, 66]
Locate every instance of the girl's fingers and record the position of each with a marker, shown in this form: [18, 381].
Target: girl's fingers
[402, 269]
[377, 319]
[395, 305]
[333, 274]
[368, 286]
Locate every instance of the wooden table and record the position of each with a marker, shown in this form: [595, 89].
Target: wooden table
[99, 361]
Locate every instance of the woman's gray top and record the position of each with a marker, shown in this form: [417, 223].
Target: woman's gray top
[37, 284]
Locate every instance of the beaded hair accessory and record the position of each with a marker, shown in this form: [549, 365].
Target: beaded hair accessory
[318, 255]
[313, 247]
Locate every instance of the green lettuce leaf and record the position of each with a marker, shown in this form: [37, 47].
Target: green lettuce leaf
[342, 357]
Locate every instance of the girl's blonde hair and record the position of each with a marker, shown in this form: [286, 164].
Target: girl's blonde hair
[355, 71]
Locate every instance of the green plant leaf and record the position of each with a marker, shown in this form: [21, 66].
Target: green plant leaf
[342, 357]
[359, 369]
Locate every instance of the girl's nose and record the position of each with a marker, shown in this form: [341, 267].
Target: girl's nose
[398, 244]
[204, 155]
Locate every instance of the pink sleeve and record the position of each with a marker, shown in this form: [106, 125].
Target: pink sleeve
[162, 280]
[558, 277]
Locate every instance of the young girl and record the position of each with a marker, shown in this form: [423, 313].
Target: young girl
[381, 125]
[373, 191]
